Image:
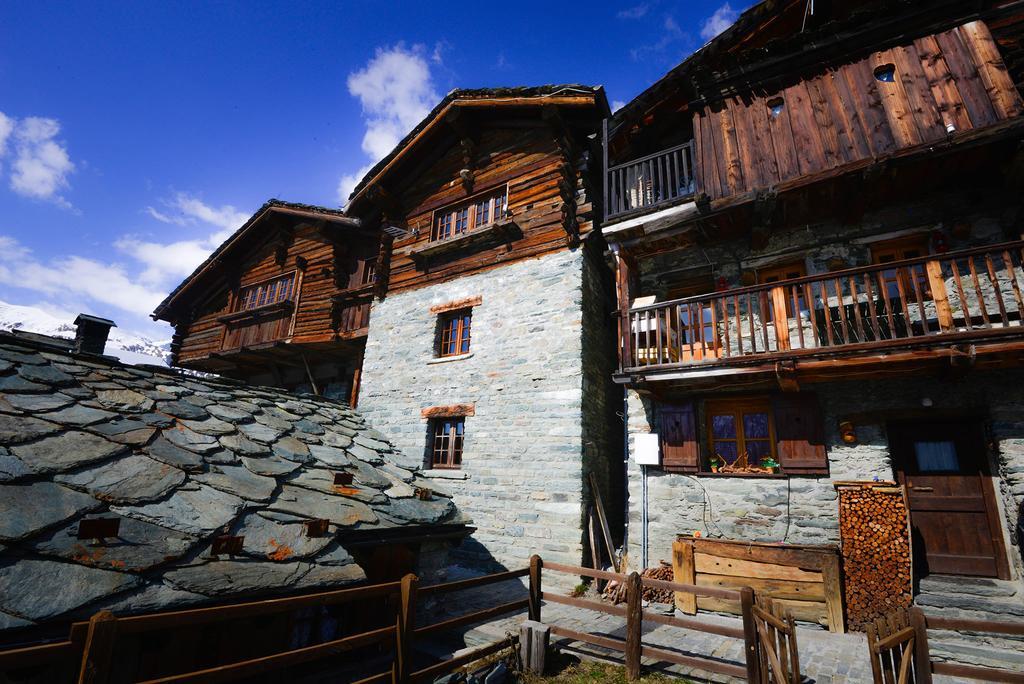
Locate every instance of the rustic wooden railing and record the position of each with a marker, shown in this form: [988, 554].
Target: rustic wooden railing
[350, 310]
[656, 179]
[899, 651]
[90, 647]
[974, 293]
[632, 647]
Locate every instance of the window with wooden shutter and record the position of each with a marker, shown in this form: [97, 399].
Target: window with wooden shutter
[800, 434]
[678, 430]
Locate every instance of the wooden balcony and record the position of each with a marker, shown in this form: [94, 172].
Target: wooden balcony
[658, 179]
[350, 311]
[970, 297]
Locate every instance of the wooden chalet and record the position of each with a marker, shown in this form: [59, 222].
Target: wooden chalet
[495, 322]
[285, 302]
[816, 228]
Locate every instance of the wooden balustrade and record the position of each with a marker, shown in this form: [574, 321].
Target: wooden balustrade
[959, 295]
[649, 181]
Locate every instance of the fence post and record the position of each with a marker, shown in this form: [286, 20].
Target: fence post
[922, 656]
[634, 626]
[99, 649]
[536, 567]
[749, 635]
[402, 669]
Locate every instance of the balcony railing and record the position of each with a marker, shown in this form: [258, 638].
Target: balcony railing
[960, 295]
[657, 179]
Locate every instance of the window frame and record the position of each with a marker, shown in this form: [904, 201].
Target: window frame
[896, 250]
[737, 408]
[241, 299]
[453, 451]
[463, 321]
[450, 214]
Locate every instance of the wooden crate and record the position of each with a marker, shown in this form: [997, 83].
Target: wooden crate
[803, 579]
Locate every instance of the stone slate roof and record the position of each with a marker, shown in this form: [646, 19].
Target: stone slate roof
[160, 313]
[180, 460]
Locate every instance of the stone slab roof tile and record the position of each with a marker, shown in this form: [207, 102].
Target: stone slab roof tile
[135, 480]
[29, 508]
[239, 481]
[65, 451]
[278, 541]
[139, 546]
[164, 451]
[199, 510]
[40, 589]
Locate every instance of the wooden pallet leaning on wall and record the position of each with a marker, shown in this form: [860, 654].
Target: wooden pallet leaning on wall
[802, 579]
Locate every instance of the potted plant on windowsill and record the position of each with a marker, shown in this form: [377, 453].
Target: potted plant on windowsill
[770, 464]
[715, 462]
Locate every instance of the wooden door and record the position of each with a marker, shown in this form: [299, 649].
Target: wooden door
[953, 517]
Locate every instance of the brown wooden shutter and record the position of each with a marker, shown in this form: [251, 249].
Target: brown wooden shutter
[678, 430]
[800, 434]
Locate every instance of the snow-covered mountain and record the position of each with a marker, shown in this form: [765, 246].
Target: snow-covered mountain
[127, 346]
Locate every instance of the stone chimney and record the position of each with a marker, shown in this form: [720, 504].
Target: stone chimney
[91, 333]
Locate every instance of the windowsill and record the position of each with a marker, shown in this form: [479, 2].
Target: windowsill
[453, 357]
[445, 474]
[504, 229]
[767, 476]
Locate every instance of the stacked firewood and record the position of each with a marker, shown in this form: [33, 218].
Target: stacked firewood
[876, 550]
[616, 591]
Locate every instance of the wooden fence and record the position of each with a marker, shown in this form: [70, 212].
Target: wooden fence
[898, 647]
[90, 646]
[777, 634]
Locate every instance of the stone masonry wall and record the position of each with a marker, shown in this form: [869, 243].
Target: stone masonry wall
[522, 470]
[805, 509]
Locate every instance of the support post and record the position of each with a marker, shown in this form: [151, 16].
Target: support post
[781, 318]
[534, 638]
[622, 283]
[536, 567]
[401, 671]
[749, 635]
[634, 626]
[922, 656]
[99, 649]
[938, 287]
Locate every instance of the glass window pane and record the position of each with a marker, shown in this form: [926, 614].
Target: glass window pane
[757, 450]
[725, 450]
[936, 456]
[755, 425]
[723, 427]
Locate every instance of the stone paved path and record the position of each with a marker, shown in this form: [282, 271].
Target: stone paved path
[824, 657]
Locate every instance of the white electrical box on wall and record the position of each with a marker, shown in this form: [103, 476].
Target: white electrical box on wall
[646, 449]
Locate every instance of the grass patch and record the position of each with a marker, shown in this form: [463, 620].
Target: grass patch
[563, 668]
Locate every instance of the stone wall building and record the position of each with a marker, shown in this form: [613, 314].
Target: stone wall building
[819, 275]
[490, 354]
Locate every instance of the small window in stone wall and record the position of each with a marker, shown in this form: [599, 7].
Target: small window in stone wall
[453, 336]
[446, 439]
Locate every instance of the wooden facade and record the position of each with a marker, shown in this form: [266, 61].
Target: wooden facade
[477, 145]
[282, 302]
[941, 84]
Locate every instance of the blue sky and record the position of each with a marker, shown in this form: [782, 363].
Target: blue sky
[134, 136]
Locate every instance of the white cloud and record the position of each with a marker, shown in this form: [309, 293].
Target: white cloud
[396, 91]
[722, 19]
[75, 277]
[41, 164]
[671, 34]
[636, 12]
[617, 105]
[164, 262]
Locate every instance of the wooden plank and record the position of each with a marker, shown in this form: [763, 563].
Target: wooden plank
[472, 618]
[828, 134]
[937, 284]
[923, 107]
[684, 571]
[718, 565]
[783, 144]
[987, 674]
[446, 666]
[695, 624]
[734, 171]
[695, 662]
[941, 83]
[987, 59]
[634, 626]
[833, 586]
[803, 591]
[864, 89]
[809, 151]
[808, 611]
[859, 138]
[968, 81]
[896, 103]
